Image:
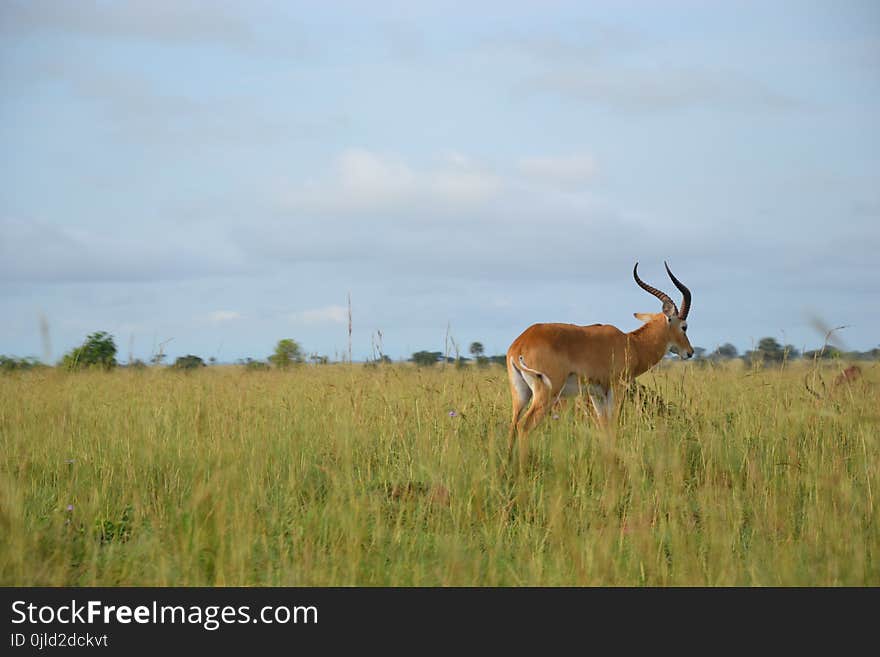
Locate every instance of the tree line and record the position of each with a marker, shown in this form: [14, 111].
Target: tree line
[768, 351]
[99, 350]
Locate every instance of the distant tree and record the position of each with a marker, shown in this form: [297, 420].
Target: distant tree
[137, 364]
[826, 352]
[212, 360]
[287, 353]
[426, 358]
[253, 365]
[769, 345]
[323, 360]
[477, 351]
[499, 359]
[726, 350]
[699, 352]
[188, 362]
[99, 350]
[790, 352]
[11, 363]
[769, 351]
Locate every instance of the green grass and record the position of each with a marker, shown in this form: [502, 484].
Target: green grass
[349, 475]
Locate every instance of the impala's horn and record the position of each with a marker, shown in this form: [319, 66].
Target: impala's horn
[668, 304]
[685, 294]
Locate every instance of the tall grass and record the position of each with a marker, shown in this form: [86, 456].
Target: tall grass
[349, 475]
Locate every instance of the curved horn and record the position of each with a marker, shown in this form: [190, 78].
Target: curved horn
[685, 294]
[653, 290]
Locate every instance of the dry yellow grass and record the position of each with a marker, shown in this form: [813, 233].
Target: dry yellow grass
[350, 475]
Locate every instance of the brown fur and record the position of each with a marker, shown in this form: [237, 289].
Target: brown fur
[599, 355]
[850, 375]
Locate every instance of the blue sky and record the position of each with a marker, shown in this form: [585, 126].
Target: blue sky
[223, 174]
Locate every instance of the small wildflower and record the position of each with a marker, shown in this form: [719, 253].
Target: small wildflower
[556, 416]
[453, 414]
[69, 461]
[69, 507]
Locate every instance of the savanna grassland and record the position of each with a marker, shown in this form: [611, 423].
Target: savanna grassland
[392, 475]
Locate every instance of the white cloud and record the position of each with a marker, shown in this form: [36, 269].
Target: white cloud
[365, 181]
[325, 315]
[383, 213]
[225, 316]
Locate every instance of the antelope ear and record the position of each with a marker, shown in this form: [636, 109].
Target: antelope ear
[669, 310]
[645, 317]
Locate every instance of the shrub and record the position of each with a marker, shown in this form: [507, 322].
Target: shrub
[99, 350]
[188, 362]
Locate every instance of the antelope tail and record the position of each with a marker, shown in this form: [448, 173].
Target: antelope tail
[531, 375]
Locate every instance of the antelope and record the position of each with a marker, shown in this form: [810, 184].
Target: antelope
[550, 361]
[847, 377]
[850, 375]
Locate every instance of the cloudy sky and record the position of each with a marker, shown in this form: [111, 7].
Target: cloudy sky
[223, 174]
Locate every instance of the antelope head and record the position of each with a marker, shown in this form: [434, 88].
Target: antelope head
[673, 320]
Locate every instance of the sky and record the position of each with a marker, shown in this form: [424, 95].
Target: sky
[216, 176]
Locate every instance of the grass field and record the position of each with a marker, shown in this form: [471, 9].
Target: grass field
[353, 475]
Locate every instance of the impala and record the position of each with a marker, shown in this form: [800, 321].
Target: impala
[550, 361]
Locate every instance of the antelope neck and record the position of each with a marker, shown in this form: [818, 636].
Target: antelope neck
[648, 344]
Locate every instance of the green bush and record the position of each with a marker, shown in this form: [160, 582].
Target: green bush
[98, 350]
[188, 362]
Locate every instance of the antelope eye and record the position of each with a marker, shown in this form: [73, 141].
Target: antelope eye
[684, 327]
